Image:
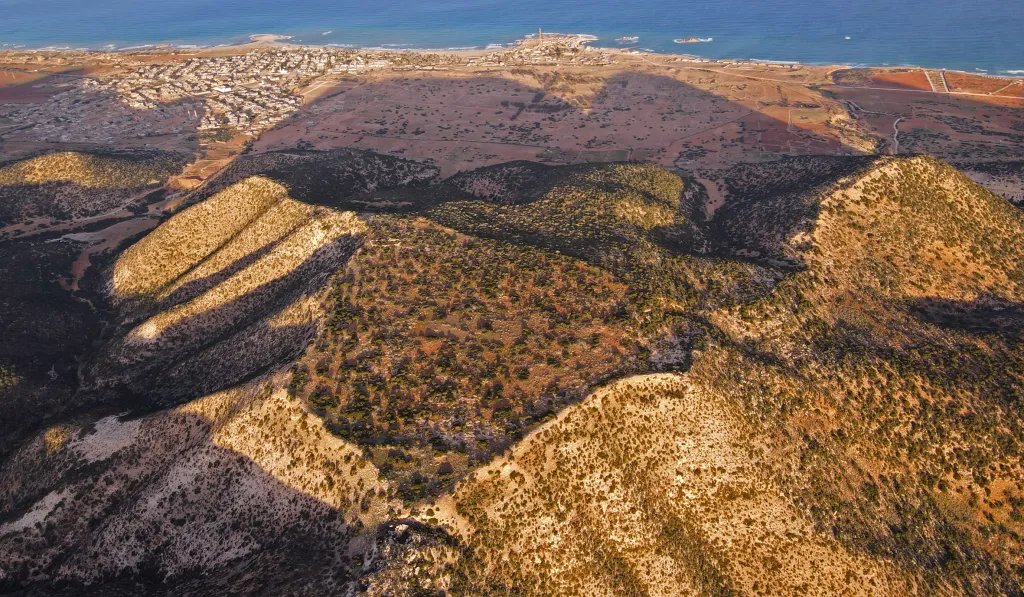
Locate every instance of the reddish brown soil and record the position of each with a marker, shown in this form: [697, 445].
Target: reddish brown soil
[14, 78]
[887, 79]
[20, 87]
[28, 93]
[975, 83]
[900, 80]
[1015, 90]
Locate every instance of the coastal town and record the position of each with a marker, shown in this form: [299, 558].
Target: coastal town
[246, 93]
[548, 96]
[238, 94]
[231, 94]
[546, 48]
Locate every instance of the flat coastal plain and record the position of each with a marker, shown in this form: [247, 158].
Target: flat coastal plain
[553, 100]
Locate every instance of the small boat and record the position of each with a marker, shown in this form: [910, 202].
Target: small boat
[628, 40]
[694, 40]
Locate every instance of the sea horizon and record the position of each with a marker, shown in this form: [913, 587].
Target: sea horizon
[919, 33]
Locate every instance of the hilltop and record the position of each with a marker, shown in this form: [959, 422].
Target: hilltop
[359, 375]
[60, 187]
[856, 394]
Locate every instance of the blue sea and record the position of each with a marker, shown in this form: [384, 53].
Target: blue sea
[976, 35]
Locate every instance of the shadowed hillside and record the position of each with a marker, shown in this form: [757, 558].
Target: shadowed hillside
[139, 506]
[54, 209]
[1002, 177]
[222, 291]
[65, 186]
[336, 178]
[426, 399]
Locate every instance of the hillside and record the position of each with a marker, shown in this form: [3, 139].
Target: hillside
[70, 185]
[243, 482]
[223, 291]
[233, 286]
[610, 215]
[540, 380]
[55, 211]
[879, 355]
[652, 486]
[456, 328]
[854, 432]
[339, 178]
